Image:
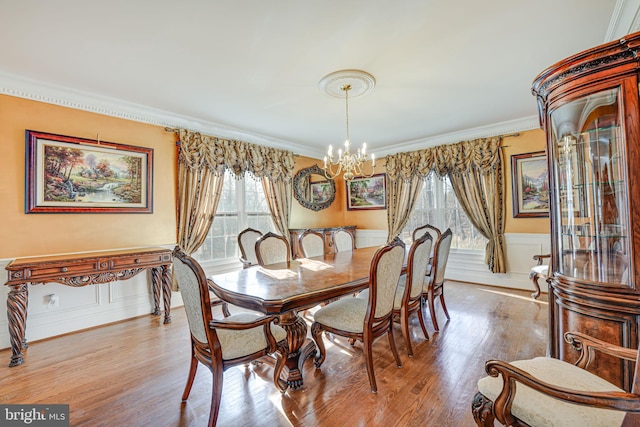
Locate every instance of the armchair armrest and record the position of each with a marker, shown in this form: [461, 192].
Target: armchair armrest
[265, 322]
[621, 401]
[218, 301]
[587, 345]
[540, 258]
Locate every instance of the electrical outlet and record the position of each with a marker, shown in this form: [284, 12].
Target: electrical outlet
[53, 300]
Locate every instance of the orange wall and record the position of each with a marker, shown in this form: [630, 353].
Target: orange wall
[336, 214]
[43, 234]
[527, 142]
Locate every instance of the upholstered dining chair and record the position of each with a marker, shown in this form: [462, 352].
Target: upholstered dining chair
[433, 231]
[408, 297]
[538, 271]
[272, 248]
[247, 244]
[365, 319]
[547, 392]
[434, 283]
[435, 234]
[220, 344]
[312, 243]
[342, 240]
[409, 292]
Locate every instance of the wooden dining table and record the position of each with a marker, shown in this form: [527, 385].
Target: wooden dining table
[284, 289]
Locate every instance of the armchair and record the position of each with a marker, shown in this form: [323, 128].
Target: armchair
[220, 344]
[549, 392]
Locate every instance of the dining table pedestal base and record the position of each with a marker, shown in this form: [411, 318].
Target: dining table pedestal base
[300, 349]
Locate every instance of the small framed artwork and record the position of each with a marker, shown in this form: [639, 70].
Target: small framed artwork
[321, 191]
[367, 193]
[65, 174]
[530, 184]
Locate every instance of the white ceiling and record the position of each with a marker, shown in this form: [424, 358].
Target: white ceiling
[445, 70]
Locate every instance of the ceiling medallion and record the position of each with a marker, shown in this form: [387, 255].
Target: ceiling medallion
[361, 83]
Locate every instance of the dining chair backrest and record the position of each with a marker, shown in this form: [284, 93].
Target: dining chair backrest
[433, 231]
[441, 256]
[194, 290]
[343, 241]
[247, 244]
[417, 264]
[272, 248]
[312, 243]
[385, 270]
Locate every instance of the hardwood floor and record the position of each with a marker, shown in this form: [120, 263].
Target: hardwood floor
[133, 373]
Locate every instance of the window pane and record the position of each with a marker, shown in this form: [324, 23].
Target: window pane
[439, 206]
[222, 240]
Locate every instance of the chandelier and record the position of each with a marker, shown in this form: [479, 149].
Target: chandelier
[351, 165]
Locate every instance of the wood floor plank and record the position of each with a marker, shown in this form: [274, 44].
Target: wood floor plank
[133, 373]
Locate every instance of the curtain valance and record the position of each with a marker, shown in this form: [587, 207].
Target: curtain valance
[481, 154]
[199, 151]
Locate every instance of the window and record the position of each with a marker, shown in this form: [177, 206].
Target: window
[242, 204]
[439, 206]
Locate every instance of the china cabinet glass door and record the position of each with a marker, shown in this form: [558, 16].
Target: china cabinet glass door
[592, 205]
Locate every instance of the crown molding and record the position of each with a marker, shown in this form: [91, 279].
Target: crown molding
[20, 87]
[502, 128]
[624, 20]
[35, 90]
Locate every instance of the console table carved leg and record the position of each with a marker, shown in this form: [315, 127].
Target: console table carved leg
[166, 292]
[17, 302]
[299, 349]
[155, 287]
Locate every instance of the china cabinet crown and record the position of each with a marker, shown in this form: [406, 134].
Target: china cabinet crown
[588, 105]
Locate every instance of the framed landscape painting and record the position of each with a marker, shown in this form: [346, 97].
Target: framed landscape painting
[321, 191]
[65, 174]
[530, 184]
[367, 193]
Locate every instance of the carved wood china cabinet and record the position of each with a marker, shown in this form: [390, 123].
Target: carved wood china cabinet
[588, 105]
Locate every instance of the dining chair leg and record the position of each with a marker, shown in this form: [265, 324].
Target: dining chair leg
[422, 324]
[316, 333]
[432, 310]
[444, 306]
[192, 374]
[281, 357]
[216, 395]
[392, 343]
[404, 326]
[368, 359]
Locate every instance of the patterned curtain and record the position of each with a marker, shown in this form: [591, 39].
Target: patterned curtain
[402, 195]
[202, 161]
[475, 169]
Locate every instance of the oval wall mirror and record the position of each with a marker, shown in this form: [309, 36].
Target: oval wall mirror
[312, 189]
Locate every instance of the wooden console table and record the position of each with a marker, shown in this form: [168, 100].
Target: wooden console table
[80, 270]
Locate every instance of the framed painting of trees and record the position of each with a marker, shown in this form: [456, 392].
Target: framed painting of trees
[530, 185]
[65, 174]
[367, 193]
